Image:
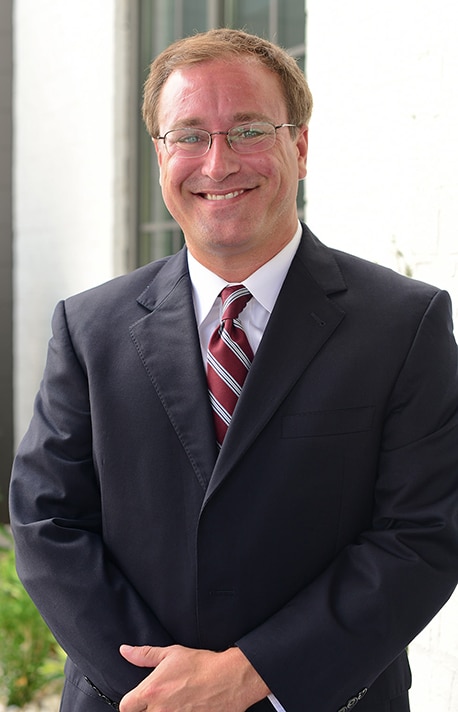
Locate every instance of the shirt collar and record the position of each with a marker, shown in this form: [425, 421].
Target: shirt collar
[264, 284]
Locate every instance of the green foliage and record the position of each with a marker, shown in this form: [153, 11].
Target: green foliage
[30, 658]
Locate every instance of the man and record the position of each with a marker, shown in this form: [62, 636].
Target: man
[189, 556]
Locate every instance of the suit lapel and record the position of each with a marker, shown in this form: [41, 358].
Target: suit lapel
[304, 318]
[168, 344]
[167, 340]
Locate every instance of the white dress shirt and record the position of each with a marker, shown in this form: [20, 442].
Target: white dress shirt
[264, 285]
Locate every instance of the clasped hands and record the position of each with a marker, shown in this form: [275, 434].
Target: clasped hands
[191, 680]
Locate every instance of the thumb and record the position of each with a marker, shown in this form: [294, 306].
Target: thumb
[142, 655]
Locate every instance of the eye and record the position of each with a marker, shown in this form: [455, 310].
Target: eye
[186, 139]
[249, 133]
[189, 139]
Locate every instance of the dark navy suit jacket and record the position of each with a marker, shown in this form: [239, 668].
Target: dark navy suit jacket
[321, 540]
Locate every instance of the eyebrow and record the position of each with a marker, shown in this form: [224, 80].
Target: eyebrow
[240, 118]
[251, 116]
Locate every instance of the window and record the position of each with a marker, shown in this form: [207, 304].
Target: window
[162, 22]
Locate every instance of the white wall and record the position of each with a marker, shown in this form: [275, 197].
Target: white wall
[70, 191]
[383, 141]
[383, 177]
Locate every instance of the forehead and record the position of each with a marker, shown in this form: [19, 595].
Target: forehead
[221, 90]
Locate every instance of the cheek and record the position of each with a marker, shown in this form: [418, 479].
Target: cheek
[174, 173]
[169, 179]
[264, 165]
[276, 168]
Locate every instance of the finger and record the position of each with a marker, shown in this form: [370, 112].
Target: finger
[130, 704]
[142, 655]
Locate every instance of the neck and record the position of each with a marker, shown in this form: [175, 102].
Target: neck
[236, 268]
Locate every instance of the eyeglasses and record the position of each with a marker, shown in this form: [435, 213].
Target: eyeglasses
[247, 138]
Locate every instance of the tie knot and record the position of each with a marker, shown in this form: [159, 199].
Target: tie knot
[235, 299]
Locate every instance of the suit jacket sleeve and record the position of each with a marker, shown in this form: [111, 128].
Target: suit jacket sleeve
[336, 636]
[57, 522]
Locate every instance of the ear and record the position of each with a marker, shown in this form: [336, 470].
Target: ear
[302, 144]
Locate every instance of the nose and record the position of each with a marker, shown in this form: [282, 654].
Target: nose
[220, 160]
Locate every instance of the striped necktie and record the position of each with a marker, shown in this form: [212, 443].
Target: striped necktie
[229, 358]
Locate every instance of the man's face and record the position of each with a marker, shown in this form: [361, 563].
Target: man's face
[233, 208]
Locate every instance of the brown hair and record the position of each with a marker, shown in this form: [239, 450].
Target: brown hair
[225, 42]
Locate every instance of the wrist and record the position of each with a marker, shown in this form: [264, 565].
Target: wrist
[250, 684]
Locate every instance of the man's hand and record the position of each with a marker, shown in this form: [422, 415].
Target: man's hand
[189, 680]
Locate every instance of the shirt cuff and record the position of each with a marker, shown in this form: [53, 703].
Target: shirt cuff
[273, 701]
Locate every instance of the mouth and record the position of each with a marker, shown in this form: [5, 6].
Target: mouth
[222, 196]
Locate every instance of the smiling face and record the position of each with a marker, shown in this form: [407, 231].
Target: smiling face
[236, 210]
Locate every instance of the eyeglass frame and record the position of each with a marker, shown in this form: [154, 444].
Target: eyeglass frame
[224, 133]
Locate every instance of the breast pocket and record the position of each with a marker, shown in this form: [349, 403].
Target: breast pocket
[322, 423]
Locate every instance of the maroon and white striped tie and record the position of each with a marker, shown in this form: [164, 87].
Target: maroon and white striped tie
[229, 358]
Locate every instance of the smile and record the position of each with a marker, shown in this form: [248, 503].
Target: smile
[225, 196]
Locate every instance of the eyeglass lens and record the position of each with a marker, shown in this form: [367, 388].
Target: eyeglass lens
[247, 138]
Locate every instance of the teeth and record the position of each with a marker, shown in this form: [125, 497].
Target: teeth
[226, 196]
